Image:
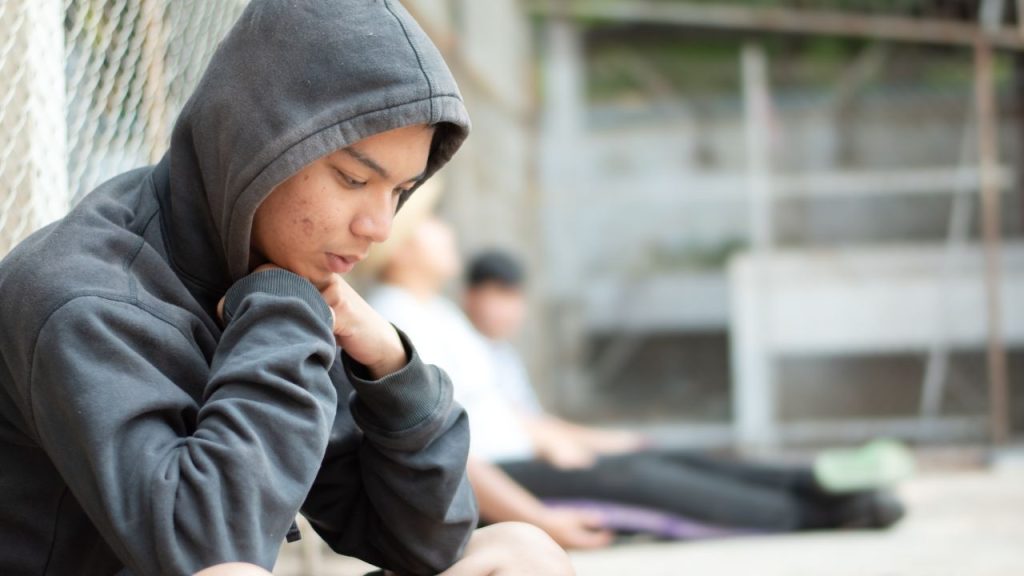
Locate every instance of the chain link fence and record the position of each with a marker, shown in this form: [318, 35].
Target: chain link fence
[90, 89]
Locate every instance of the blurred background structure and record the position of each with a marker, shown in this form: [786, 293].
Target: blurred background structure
[755, 223]
[781, 208]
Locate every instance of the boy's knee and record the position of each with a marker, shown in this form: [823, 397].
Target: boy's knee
[524, 548]
[233, 569]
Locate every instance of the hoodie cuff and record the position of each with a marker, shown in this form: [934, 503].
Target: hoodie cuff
[276, 282]
[400, 400]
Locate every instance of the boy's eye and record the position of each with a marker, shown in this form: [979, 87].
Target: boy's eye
[348, 180]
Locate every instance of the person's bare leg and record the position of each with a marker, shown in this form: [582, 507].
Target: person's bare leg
[233, 569]
[511, 548]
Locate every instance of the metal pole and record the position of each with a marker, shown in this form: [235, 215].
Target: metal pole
[758, 128]
[754, 394]
[562, 139]
[988, 157]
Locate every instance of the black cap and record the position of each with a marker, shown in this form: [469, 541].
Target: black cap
[495, 266]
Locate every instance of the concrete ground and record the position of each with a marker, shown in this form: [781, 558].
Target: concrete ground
[962, 521]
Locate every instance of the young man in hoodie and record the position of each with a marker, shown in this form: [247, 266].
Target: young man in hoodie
[182, 366]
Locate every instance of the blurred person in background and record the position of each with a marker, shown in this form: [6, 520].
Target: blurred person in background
[495, 303]
[574, 481]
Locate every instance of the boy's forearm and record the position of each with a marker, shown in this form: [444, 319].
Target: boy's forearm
[173, 495]
[401, 399]
[414, 508]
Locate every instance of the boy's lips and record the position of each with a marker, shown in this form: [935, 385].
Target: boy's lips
[342, 264]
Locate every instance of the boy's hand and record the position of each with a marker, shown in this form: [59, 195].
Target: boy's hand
[260, 268]
[364, 334]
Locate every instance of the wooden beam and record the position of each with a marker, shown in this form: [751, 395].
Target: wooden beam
[1020, 17]
[907, 181]
[988, 157]
[784, 20]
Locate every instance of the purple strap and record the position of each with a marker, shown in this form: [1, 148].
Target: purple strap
[637, 519]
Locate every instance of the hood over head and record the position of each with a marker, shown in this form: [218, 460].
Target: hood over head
[294, 80]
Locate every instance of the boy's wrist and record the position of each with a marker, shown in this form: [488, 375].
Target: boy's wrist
[394, 359]
[276, 282]
[400, 399]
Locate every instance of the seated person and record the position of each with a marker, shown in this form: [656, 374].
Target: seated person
[522, 460]
[495, 304]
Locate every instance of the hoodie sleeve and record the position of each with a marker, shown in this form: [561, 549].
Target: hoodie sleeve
[397, 495]
[179, 475]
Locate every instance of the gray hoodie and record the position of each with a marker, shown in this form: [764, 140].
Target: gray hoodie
[137, 433]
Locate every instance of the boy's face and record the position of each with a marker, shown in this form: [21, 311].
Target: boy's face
[497, 310]
[324, 218]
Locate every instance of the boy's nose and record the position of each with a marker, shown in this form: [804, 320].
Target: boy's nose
[374, 221]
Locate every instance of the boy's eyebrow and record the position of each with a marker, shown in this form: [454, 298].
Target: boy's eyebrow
[372, 164]
[366, 161]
